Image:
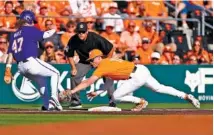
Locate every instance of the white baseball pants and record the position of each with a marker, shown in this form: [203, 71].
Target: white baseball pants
[143, 77]
[38, 71]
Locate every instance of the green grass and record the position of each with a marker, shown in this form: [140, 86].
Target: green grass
[17, 119]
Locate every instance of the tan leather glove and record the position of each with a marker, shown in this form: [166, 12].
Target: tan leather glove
[7, 75]
[64, 96]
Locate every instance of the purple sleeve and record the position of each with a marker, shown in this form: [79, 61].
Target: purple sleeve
[37, 34]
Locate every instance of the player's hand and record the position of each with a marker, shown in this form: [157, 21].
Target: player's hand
[91, 95]
[7, 76]
[74, 72]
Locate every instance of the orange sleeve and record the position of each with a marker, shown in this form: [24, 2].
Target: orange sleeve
[64, 39]
[155, 39]
[103, 34]
[163, 8]
[99, 72]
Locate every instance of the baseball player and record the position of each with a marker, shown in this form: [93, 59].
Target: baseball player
[23, 48]
[135, 76]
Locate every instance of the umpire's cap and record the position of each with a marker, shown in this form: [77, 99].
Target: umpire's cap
[94, 53]
[28, 16]
[81, 27]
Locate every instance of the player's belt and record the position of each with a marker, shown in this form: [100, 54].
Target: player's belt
[134, 69]
[23, 61]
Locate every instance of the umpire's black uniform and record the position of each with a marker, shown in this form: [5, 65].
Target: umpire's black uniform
[82, 48]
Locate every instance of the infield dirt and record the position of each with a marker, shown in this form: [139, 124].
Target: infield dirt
[133, 125]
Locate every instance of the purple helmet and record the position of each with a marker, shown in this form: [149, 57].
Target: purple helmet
[28, 16]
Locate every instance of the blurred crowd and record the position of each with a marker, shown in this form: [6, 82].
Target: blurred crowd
[134, 39]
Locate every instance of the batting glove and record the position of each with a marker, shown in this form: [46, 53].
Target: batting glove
[7, 75]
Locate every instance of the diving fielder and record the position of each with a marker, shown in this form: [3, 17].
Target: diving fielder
[23, 47]
[135, 76]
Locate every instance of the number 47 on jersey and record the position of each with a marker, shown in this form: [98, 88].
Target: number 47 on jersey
[17, 45]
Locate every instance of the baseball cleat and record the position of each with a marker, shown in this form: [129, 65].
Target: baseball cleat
[75, 106]
[140, 106]
[193, 101]
[112, 104]
[43, 108]
[54, 104]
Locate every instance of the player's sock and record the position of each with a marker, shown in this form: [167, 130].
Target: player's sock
[130, 99]
[44, 94]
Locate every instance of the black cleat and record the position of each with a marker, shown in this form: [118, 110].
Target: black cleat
[112, 104]
[75, 106]
[44, 109]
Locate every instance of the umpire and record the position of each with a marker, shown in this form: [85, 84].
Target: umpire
[82, 43]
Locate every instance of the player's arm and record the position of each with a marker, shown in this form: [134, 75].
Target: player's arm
[7, 73]
[84, 84]
[72, 64]
[69, 53]
[49, 33]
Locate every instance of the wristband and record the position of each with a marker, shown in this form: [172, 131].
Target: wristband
[8, 65]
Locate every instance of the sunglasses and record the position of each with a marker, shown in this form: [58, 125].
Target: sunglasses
[59, 54]
[131, 26]
[176, 59]
[3, 42]
[82, 32]
[198, 44]
[155, 59]
[48, 24]
[145, 42]
[49, 47]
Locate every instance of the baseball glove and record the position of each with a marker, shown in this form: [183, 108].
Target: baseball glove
[7, 76]
[64, 97]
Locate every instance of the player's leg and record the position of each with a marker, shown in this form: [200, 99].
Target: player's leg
[123, 94]
[109, 86]
[44, 69]
[43, 88]
[82, 70]
[153, 84]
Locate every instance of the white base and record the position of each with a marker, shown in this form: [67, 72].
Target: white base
[104, 109]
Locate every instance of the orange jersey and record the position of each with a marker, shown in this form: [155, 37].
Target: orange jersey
[138, 23]
[8, 22]
[113, 38]
[164, 60]
[65, 38]
[197, 2]
[154, 8]
[116, 69]
[153, 36]
[145, 55]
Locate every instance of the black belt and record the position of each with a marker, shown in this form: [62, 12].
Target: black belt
[135, 68]
[133, 71]
[23, 61]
